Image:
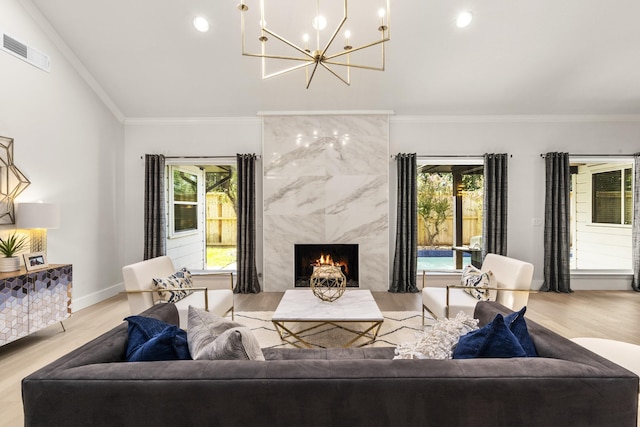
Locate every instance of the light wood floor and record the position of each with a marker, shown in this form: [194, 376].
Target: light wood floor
[603, 314]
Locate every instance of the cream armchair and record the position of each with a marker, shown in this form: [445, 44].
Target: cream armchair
[513, 285]
[138, 282]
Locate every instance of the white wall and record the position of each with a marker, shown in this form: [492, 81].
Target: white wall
[69, 145]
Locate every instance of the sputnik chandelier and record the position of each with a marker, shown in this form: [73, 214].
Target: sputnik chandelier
[275, 29]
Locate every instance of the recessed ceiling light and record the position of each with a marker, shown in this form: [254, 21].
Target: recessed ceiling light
[464, 19]
[201, 24]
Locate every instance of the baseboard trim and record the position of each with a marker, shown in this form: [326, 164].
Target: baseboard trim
[96, 297]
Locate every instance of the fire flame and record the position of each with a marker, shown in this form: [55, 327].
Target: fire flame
[327, 260]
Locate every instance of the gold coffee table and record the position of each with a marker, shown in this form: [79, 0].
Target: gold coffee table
[356, 308]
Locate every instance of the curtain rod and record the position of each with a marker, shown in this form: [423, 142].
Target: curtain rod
[203, 157]
[448, 156]
[543, 155]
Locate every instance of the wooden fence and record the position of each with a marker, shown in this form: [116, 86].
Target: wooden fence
[471, 226]
[221, 221]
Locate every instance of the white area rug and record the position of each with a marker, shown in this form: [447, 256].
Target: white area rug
[398, 327]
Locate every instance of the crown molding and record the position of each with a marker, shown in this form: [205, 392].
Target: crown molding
[53, 35]
[566, 118]
[181, 121]
[328, 113]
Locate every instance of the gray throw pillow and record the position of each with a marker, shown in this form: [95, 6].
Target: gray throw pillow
[211, 337]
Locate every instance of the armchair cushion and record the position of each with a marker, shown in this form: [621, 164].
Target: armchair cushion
[212, 337]
[152, 339]
[175, 287]
[475, 280]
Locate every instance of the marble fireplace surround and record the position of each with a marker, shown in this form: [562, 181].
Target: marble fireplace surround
[325, 181]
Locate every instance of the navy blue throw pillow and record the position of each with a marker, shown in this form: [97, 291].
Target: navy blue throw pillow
[492, 340]
[152, 339]
[516, 323]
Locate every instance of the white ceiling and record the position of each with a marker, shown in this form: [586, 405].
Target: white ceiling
[518, 57]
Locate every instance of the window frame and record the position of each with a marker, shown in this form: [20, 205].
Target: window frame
[172, 203]
[622, 170]
[595, 165]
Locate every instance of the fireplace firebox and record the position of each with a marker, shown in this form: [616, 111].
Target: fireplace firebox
[308, 256]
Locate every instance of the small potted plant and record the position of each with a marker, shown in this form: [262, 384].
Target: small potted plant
[8, 247]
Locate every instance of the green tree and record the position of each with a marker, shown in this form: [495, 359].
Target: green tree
[224, 181]
[434, 202]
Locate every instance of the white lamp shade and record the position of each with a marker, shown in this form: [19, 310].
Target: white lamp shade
[38, 215]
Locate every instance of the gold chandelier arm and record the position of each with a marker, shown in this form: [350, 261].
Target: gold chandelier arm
[335, 33]
[287, 70]
[334, 73]
[315, 67]
[355, 49]
[349, 65]
[264, 55]
[287, 42]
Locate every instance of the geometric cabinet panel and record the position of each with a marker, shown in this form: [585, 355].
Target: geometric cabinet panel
[30, 301]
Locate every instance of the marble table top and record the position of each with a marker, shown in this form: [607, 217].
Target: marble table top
[301, 305]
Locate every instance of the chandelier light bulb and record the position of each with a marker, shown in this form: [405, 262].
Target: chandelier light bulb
[381, 13]
[319, 22]
[201, 24]
[347, 34]
[464, 19]
[305, 37]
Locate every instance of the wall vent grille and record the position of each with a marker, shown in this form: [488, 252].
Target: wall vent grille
[26, 53]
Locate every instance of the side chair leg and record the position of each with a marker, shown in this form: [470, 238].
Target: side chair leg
[63, 328]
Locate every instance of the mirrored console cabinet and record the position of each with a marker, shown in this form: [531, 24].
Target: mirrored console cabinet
[33, 300]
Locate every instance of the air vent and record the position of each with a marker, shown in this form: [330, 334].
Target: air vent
[24, 52]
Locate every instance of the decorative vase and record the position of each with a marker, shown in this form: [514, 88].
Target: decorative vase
[10, 263]
[328, 282]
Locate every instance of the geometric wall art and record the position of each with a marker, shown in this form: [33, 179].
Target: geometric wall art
[12, 181]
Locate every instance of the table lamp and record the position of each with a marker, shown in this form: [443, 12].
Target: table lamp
[38, 217]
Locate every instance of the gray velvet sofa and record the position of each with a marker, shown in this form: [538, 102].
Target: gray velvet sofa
[567, 386]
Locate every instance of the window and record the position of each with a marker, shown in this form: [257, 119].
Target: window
[601, 213]
[201, 213]
[611, 197]
[449, 213]
[185, 201]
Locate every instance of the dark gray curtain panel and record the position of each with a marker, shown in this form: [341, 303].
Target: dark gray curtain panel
[494, 205]
[155, 227]
[635, 236]
[405, 259]
[247, 282]
[556, 224]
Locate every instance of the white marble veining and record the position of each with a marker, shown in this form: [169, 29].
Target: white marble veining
[326, 180]
[303, 305]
